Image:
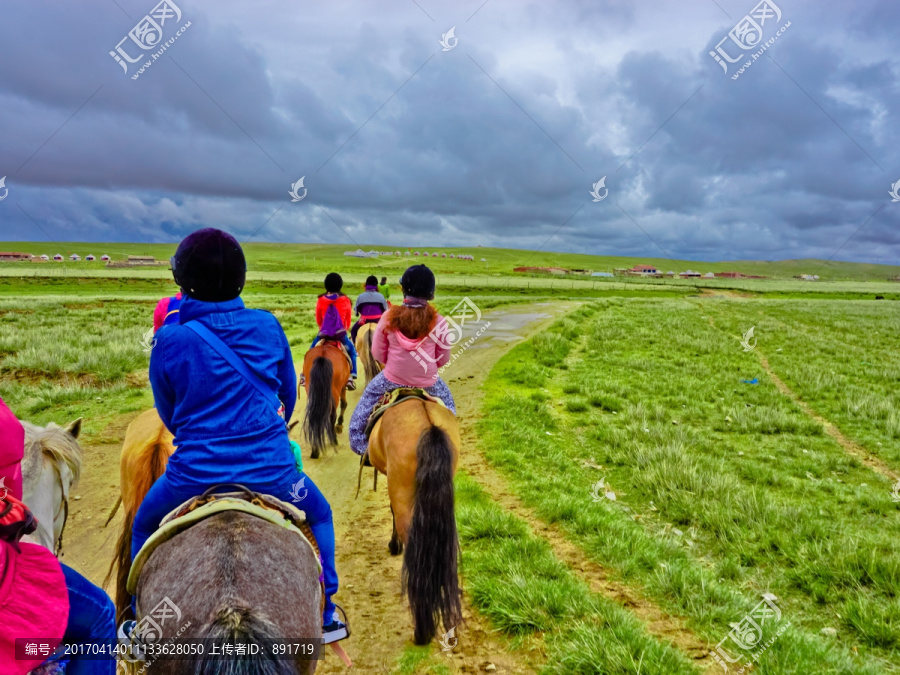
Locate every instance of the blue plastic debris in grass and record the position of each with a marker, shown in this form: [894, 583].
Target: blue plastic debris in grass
[753, 381]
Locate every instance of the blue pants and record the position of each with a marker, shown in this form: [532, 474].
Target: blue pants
[351, 350]
[164, 497]
[92, 616]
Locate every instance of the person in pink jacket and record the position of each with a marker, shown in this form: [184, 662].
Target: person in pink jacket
[40, 598]
[411, 341]
[12, 448]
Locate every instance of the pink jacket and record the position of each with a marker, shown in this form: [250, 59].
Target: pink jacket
[413, 363]
[12, 448]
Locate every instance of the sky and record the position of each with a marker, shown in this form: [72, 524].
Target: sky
[405, 134]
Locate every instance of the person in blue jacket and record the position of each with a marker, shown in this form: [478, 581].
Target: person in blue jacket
[228, 430]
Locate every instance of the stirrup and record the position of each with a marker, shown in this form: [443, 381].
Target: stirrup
[339, 628]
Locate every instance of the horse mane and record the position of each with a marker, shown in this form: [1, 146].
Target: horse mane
[57, 443]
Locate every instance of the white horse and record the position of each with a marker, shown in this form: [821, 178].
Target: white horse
[50, 466]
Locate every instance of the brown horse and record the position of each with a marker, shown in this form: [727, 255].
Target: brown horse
[253, 581]
[364, 349]
[416, 445]
[326, 372]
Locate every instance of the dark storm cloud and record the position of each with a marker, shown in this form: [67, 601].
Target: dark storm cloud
[495, 142]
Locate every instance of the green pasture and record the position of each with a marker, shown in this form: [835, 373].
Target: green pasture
[724, 490]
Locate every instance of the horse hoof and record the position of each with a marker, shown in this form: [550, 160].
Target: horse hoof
[396, 548]
[339, 429]
[314, 454]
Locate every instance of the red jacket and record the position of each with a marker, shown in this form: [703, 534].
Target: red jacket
[341, 303]
[12, 448]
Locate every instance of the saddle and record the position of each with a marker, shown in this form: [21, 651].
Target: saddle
[335, 342]
[210, 503]
[392, 398]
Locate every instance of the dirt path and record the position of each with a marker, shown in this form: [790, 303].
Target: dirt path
[370, 577]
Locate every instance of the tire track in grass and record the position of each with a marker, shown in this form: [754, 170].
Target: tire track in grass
[659, 623]
[849, 446]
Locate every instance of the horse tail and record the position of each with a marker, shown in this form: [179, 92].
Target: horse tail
[430, 563]
[142, 464]
[240, 625]
[318, 423]
[371, 365]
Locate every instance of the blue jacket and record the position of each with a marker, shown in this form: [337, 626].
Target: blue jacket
[225, 431]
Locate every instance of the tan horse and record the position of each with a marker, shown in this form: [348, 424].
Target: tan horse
[363, 344]
[326, 372]
[145, 453]
[416, 445]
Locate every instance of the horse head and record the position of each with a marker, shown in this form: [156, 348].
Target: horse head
[50, 466]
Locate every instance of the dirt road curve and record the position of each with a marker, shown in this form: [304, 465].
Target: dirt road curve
[370, 577]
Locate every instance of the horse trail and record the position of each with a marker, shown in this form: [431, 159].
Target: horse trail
[370, 590]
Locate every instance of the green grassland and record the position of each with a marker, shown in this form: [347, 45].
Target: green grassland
[725, 490]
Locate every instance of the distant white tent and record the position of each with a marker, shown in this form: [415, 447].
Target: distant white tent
[407, 253]
[89, 256]
[57, 257]
[74, 256]
[104, 257]
[484, 260]
[397, 253]
[359, 253]
[597, 274]
[709, 275]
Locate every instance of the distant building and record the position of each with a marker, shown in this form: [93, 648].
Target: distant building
[643, 271]
[45, 257]
[434, 255]
[483, 259]
[809, 277]
[602, 274]
[670, 274]
[443, 255]
[137, 261]
[689, 274]
[58, 257]
[709, 275]
[407, 253]
[105, 258]
[89, 257]
[6, 257]
[359, 253]
[74, 257]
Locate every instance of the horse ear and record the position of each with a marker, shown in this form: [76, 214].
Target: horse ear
[74, 428]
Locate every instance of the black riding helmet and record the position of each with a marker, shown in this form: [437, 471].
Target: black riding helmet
[371, 280]
[209, 265]
[418, 282]
[333, 282]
